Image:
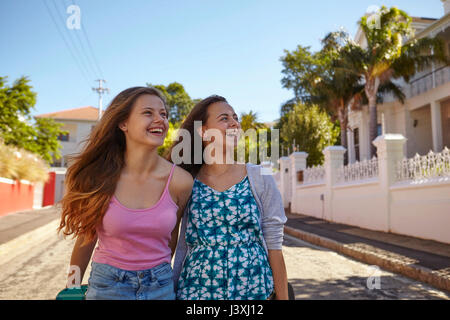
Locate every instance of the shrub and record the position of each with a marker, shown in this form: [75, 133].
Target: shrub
[18, 164]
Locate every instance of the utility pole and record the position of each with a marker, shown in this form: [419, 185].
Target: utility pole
[100, 91]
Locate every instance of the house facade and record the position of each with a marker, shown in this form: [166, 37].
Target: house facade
[424, 118]
[78, 122]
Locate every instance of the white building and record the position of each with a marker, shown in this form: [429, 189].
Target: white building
[79, 123]
[395, 192]
[424, 118]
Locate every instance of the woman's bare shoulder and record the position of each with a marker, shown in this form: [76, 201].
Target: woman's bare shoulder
[181, 185]
[183, 177]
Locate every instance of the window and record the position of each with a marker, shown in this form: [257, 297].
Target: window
[63, 137]
[56, 163]
[65, 162]
[379, 132]
[445, 118]
[356, 142]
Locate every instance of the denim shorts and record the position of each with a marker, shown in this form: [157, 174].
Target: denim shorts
[110, 283]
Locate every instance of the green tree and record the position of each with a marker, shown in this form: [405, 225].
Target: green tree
[178, 101]
[298, 67]
[16, 127]
[317, 78]
[388, 56]
[334, 89]
[171, 135]
[46, 143]
[311, 128]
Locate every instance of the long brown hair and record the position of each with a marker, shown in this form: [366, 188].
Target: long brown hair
[198, 113]
[93, 174]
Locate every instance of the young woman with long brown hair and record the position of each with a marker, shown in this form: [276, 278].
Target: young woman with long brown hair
[232, 229]
[120, 192]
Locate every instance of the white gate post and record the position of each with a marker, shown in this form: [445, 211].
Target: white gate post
[298, 163]
[334, 159]
[389, 152]
[285, 180]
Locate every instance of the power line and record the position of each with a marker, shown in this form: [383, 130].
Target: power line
[83, 28]
[92, 51]
[80, 68]
[89, 70]
[92, 64]
[83, 100]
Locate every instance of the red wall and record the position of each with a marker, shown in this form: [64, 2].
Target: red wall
[15, 197]
[49, 191]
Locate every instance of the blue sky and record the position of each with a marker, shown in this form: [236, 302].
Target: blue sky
[231, 48]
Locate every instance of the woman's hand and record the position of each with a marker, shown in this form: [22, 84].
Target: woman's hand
[276, 261]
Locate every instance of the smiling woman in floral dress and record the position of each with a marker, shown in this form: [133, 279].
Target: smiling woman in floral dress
[232, 229]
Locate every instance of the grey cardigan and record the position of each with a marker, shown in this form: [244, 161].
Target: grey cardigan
[272, 220]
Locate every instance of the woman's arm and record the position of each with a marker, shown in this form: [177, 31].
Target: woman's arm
[181, 190]
[174, 236]
[280, 280]
[273, 221]
[81, 255]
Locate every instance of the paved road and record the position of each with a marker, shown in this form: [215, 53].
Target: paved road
[315, 273]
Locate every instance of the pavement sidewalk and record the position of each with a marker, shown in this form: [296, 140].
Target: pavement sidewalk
[423, 260]
[16, 224]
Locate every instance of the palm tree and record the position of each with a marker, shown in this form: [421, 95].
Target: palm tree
[249, 120]
[332, 87]
[387, 56]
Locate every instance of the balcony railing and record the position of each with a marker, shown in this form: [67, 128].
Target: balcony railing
[428, 81]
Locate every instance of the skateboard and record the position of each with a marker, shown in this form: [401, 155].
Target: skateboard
[76, 293]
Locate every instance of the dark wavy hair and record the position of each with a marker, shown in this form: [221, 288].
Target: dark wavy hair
[198, 113]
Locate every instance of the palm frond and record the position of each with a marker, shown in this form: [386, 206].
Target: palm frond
[418, 55]
[390, 87]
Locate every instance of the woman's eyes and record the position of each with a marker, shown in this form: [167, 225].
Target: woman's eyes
[226, 118]
[164, 115]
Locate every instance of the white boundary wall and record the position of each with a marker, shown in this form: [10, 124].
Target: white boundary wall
[415, 207]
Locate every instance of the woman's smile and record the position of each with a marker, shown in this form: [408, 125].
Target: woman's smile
[157, 131]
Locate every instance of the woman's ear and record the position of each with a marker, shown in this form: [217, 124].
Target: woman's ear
[123, 126]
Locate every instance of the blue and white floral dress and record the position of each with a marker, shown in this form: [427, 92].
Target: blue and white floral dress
[226, 259]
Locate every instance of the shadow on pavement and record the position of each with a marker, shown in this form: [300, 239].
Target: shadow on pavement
[356, 288]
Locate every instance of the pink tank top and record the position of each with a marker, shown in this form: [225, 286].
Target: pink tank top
[137, 239]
